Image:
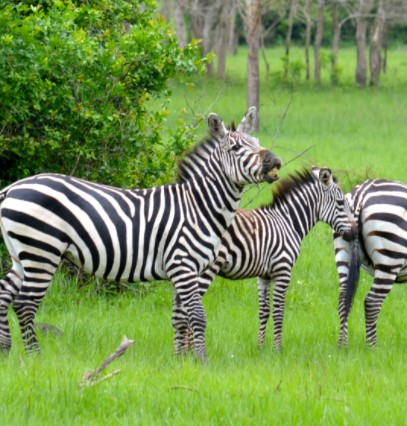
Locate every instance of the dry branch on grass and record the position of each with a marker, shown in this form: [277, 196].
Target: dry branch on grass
[91, 378]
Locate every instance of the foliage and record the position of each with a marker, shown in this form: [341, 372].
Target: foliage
[76, 80]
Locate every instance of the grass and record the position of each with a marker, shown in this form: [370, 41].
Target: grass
[311, 382]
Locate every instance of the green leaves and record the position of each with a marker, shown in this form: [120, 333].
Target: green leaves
[75, 79]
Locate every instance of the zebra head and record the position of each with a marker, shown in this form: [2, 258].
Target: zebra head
[334, 209]
[241, 156]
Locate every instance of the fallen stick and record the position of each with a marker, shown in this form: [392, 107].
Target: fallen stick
[91, 378]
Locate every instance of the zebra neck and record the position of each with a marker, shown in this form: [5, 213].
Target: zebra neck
[215, 201]
[298, 210]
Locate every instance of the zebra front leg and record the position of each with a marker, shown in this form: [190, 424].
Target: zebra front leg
[9, 288]
[373, 304]
[279, 292]
[182, 331]
[263, 288]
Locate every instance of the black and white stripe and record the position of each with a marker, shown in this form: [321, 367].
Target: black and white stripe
[380, 208]
[265, 242]
[167, 232]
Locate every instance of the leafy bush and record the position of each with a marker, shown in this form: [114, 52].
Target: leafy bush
[76, 78]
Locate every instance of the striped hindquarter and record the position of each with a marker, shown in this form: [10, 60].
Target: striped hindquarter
[168, 232]
[265, 242]
[380, 208]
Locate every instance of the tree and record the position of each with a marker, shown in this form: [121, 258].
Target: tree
[291, 17]
[375, 45]
[75, 81]
[253, 34]
[361, 29]
[318, 40]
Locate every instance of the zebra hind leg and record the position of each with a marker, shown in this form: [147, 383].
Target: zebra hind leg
[373, 304]
[263, 288]
[27, 302]
[9, 288]
[279, 293]
[343, 319]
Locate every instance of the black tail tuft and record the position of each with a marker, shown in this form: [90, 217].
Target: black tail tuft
[353, 275]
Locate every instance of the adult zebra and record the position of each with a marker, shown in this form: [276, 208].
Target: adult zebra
[380, 208]
[265, 242]
[167, 232]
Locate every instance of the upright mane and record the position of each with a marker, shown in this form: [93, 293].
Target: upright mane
[194, 162]
[285, 186]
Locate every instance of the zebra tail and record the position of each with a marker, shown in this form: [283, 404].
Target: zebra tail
[353, 275]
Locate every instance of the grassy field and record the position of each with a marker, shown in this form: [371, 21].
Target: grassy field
[355, 132]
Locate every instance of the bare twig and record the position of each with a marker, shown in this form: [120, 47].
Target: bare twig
[298, 156]
[91, 378]
[180, 387]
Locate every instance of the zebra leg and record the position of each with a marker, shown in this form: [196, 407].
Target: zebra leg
[263, 288]
[373, 304]
[183, 335]
[343, 317]
[37, 279]
[279, 292]
[180, 325]
[186, 288]
[9, 288]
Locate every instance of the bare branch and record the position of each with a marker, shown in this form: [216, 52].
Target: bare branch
[91, 378]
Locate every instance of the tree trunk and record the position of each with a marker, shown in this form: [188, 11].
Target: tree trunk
[335, 42]
[318, 40]
[166, 10]
[361, 28]
[308, 27]
[223, 38]
[179, 22]
[291, 16]
[211, 29]
[233, 35]
[375, 45]
[253, 33]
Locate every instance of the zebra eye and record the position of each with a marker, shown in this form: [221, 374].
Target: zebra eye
[235, 147]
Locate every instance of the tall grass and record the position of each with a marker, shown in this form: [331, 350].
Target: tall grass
[311, 382]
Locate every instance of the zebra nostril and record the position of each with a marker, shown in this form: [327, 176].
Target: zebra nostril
[268, 158]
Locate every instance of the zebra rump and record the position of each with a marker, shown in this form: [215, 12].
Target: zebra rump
[380, 208]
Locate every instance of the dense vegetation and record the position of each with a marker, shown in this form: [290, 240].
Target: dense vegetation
[75, 82]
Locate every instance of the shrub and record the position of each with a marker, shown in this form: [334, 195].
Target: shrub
[76, 79]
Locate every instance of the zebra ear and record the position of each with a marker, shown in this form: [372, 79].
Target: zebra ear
[216, 127]
[325, 176]
[248, 122]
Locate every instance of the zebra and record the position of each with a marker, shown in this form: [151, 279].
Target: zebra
[380, 208]
[166, 232]
[265, 242]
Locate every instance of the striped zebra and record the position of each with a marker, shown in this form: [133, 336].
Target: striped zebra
[265, 242]
[167, 232]
[380, 208]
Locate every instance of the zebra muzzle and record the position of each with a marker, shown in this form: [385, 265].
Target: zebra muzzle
[272, 174]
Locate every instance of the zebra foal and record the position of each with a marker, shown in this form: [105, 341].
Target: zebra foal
[380, 208]
[166, 232]
[265, 242]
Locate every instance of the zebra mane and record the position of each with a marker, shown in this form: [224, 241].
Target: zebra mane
[194, 162]
[285, 186]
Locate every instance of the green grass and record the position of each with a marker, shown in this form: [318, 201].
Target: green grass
[311, 382]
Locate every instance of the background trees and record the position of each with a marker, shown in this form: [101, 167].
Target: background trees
[76, 84]
[367, 24]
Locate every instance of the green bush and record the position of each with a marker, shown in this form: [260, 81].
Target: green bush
[76, 81]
